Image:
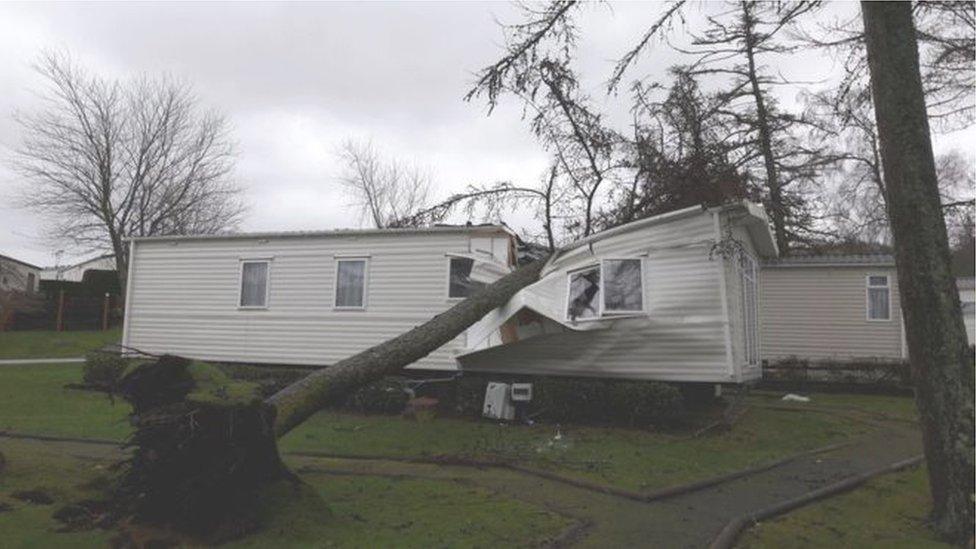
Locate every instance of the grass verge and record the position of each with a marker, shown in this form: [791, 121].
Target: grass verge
[364, 511]
[627, 458]
[50, 344]
[32, 400]
[888, 512]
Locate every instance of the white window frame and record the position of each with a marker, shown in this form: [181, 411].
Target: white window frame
[267, 284]
[867, 296]
[447, 277]
[602, 312]
[569, 285]
[335, 283]
[603, 292]
[747, 269]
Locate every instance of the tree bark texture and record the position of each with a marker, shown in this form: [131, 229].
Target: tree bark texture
[942, 364]
[303, 398]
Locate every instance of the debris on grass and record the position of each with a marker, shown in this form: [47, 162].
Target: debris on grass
[556, 443]
[421, 408]
[36, 497]
[795, 398]
[85, 515]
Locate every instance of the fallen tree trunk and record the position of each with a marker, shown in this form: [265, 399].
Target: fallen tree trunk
[295, 403]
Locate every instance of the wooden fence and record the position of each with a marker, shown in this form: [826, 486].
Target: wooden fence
[61, 312]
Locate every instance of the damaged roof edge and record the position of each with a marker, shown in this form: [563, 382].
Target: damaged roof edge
[759, 222]
[751, 209]
[331, 232]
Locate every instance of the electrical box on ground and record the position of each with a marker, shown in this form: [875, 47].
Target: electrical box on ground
[498, 402]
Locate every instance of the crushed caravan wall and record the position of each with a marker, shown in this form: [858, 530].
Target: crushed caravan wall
[184, 296]
[681, 336]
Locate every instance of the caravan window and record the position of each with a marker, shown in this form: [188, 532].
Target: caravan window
[254, 284]
[622, 287]
[879, 298]
[350, 284]
[584, 293]
[460, 283]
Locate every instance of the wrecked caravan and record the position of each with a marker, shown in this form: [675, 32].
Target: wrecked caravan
[672, 298]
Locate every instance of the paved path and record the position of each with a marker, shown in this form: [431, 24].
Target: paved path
[24, 361]
[689, 520]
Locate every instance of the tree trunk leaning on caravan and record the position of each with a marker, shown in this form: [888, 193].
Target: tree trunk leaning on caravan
[940, 358]
[295, 403]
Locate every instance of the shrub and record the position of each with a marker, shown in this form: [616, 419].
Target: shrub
[646, 403]
[616, 402]
[270, 379]
[583, 400]
[383, 397]
[103, 369]
[469, 395]
[570, 400]
[866, 375]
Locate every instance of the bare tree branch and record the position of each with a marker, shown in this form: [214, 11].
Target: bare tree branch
[387, 191]
[106, 159]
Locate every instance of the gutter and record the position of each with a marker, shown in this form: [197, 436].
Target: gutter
[474, 229]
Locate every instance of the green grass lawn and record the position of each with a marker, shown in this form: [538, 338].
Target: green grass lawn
[49, 344]
[628, 458]
[380, 511]
[359, 511]
[33, 400]
[57, 474]
[888, 512]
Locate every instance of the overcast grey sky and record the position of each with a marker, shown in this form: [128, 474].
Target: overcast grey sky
[296, 79]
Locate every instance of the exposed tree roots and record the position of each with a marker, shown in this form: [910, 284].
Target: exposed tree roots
[203, 451]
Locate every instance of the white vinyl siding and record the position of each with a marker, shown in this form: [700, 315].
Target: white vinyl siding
[679, 336]
[818, 313]
[878, 298]
[350, 285]
[184, 295]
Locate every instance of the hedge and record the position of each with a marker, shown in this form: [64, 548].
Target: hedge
[103, 369]
[585, 400]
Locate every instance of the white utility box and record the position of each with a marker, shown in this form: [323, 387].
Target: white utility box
[522, 392]
[498, 402]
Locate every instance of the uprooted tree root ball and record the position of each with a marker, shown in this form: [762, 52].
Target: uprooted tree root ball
[203, 450]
